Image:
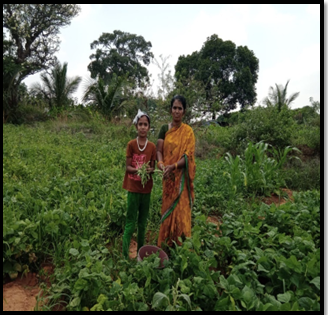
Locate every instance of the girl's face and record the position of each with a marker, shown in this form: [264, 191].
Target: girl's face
[177, 111]
[143, 126]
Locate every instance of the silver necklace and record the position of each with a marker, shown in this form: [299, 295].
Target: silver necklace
[144, 146]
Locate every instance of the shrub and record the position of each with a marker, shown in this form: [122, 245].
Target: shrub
[264, 124]
[302, 176]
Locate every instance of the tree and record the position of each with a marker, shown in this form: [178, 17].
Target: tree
[315, 105]
[58, 88]
[32, 31]
[108, 99]
[278, 97]
[118, 54]
[229, 74]
[166, 80]
[10, 95]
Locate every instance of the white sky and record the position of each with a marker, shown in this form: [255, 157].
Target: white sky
[284, 37]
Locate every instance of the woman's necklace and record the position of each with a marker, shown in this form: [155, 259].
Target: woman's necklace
[144, 146]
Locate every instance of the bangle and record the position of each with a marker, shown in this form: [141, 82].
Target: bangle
[160, 162]
[176, 166]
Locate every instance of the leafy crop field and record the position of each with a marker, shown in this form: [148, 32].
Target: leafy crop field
[63, 202]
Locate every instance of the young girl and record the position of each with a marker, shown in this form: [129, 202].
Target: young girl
[138, 152]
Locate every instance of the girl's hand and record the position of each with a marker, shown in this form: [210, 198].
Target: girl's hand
[150, 170]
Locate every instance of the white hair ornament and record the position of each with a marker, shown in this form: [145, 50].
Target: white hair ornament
[139, 114]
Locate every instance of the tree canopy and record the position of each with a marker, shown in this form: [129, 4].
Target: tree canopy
[57, 87]
[229, 74]
[118, 53]
[30, 41]
[278, 96]
[33, 34]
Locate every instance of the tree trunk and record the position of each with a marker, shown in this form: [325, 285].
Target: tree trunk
[214, 115]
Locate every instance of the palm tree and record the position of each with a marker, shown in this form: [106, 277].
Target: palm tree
[58, 88]
[278, 97]
[108, 99]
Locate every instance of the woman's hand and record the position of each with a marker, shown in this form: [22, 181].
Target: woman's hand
[168, 169]
[161, 166]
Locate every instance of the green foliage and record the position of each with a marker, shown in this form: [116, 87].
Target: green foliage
[57, 87]
[145, 175]
[309, 137]
[229, 73]
[264, 124]
[109, 99]
[120, 53]
[278, 97]
[28, 114]
[63, 199]
[12, 90]
[307, 115]
[303, 176]
[35, 29]
[212, 136]
[257, 173]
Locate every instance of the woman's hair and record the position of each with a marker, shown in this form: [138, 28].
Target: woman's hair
[181, 99]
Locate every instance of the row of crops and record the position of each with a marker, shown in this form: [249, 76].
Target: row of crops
[63, 200]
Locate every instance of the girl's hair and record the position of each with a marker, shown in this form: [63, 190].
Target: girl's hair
[147, 118]
[181, 99]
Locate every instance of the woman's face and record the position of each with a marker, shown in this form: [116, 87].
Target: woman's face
[177, 111]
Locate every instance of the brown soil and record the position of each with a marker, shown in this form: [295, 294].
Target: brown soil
[217, 221]
[133, 249]
[279, 200]
[21, 293]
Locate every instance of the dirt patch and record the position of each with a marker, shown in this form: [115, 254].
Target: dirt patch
[133, 249]
[287, 195]
[214, 219]
[217, 221]
[21, 293]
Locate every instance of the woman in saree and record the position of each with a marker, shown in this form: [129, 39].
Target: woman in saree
[175, 155]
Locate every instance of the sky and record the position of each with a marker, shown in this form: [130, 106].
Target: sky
[284, 37]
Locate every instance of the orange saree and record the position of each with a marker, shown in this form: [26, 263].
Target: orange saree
[178, 189]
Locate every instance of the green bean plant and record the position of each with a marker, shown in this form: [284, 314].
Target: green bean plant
[144, 175]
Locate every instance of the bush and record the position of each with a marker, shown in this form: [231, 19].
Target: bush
[302, 176]
[309, 136]
[28, 114]
[264, 124]
[212, 140]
